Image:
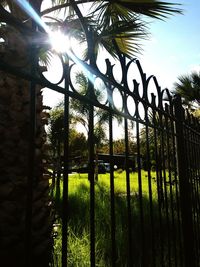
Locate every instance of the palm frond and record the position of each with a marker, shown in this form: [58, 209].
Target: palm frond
[195, 76]
[108, 13]
[82, 81]
[45, 57]
[120, 20]
[61, 5]
[126, 35]
[151, 8]
[188, 86]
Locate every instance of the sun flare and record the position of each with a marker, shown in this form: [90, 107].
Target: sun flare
[60, 42]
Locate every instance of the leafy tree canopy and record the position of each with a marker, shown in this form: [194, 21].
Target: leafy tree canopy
[188, 87]
[77, 141]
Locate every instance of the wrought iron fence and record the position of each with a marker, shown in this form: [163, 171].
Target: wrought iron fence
[146, 214]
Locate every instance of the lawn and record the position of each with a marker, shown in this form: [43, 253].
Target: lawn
[79, 220]
[75, 180]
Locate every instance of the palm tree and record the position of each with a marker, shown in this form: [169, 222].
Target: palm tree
[116, 25]
[188, 87]
[80, 110]
[25, 215]
[80, 115]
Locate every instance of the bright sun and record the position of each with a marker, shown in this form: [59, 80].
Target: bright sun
[60, 42]
[63, 44]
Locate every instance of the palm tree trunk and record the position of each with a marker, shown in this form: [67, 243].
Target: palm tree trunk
[14, 150]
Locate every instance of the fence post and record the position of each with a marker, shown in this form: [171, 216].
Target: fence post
[184, 186]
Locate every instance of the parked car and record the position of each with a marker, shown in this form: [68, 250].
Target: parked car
[101, 168]
[107, 166]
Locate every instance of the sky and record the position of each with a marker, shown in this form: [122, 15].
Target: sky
[173, 48]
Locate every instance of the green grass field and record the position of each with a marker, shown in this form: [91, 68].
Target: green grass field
[79, 223]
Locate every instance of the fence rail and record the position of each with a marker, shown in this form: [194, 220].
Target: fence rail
[144, 216]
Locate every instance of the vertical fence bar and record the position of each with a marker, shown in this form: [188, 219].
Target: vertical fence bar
[130, 259]
[185, 187]
[150, 187]
[195, 189]
[91, 179]
[65, 170]
[190, 158]
[91, 56]
[112, 192]
[197, 178]
[177, 193]
[171, 183]
[159, 197]
[165, 203]
[139, 167]
[197, 152]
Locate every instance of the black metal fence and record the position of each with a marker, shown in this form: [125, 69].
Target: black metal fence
[142, 216]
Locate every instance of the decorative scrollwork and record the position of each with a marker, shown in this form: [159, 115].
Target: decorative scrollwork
[131, 95]
[55, 71]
